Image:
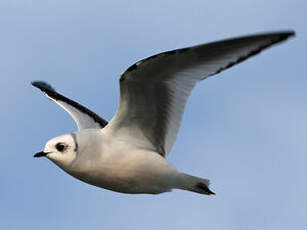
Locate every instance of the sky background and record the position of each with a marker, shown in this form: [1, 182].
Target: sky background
[245, 129]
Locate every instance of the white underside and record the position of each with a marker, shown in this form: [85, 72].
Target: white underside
[119, 166]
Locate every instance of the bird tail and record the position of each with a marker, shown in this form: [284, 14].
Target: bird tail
[194, 184]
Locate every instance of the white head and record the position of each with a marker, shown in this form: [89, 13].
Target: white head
[62, 150]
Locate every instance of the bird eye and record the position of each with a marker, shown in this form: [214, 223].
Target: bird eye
[60, 147]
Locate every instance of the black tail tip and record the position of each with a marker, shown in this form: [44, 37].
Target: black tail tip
[204, 189]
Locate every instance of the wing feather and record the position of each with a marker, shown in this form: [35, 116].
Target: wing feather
[84, 118]
[154, 91]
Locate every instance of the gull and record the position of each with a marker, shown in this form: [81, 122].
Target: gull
[128, 154]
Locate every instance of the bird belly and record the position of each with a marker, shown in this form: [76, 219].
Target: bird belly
[133, 172]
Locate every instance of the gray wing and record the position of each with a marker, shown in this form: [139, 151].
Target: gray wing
[85, 118]
[154, 91]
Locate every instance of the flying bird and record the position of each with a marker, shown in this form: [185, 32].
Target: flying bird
[128, 154]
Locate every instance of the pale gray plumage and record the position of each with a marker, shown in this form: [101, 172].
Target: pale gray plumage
[84, 118]
[153, 92]
[128, 154]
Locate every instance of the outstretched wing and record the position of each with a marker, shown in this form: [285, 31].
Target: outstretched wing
[154, 91]
[85, 118]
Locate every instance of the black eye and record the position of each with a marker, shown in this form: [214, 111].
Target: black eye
[60, 147]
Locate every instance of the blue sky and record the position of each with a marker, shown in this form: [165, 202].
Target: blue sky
[245, 129]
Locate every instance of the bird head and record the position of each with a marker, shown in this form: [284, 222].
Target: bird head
[62, 150]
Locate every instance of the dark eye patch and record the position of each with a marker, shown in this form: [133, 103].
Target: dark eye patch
[60, 147]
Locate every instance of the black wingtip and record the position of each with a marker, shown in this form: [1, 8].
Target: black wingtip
[52, 94]
[284, 33]
[287, 34]
[42, 86]
[291, 33]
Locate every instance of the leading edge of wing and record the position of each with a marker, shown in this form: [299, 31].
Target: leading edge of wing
[52, 94]
[283, 36]
[191, 64]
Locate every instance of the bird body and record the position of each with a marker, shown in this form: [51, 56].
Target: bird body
[128, 154]
[117, 165]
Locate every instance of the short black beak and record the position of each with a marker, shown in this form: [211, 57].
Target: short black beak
[40, 154]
